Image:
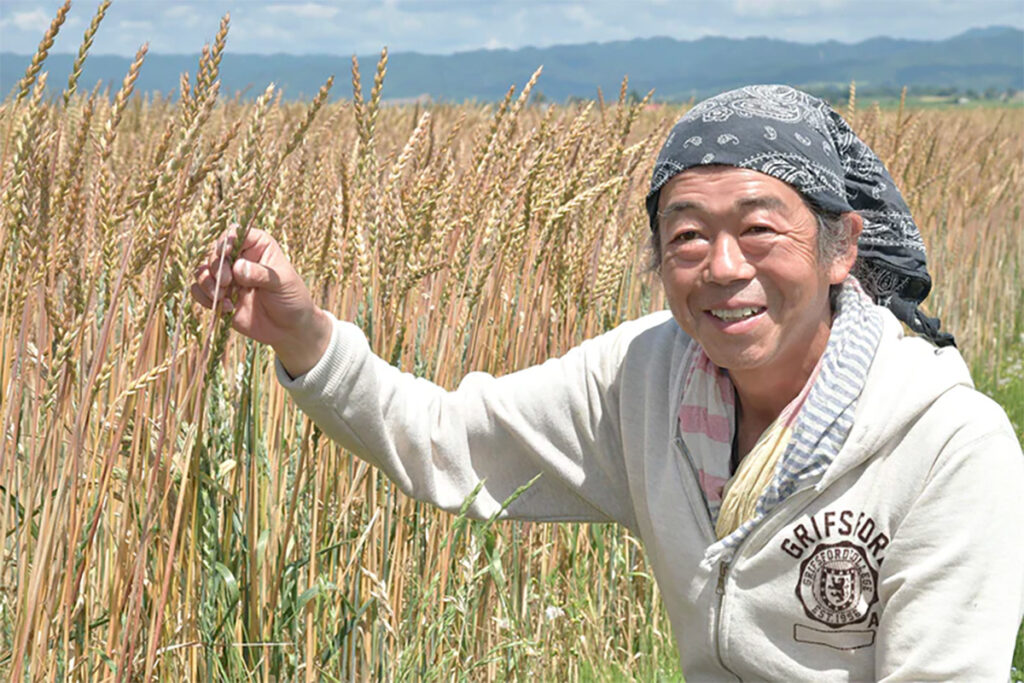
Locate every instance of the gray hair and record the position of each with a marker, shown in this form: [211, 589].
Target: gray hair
[833, 241]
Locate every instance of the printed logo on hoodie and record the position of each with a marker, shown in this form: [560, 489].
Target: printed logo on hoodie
[837, 582]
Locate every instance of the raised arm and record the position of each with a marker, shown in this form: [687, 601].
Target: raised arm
[558, 420]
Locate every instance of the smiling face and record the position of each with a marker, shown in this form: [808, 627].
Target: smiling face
[740, 267]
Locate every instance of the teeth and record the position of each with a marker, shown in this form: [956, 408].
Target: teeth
[733, 314]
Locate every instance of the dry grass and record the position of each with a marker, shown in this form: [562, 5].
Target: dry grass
[167, 512]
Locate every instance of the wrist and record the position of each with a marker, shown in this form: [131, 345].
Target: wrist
[306, 346]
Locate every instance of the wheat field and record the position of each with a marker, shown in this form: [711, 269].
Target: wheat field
[166, 513]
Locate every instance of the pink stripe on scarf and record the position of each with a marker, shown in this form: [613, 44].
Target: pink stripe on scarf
[712, 486]
[725, 390]
[697, 419]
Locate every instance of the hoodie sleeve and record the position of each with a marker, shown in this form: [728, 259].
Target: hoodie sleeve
[953, 577]
[558, 420]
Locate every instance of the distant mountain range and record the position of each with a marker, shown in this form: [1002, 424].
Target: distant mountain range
[978, 59]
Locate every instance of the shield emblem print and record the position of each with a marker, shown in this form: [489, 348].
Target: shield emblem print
[839, 587]
[837, 584]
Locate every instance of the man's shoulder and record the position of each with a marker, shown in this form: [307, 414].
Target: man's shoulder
[638, 350]
[923, 367]
[658, 323]
[654, 334]
[912, 382]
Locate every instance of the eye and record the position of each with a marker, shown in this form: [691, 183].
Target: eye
[686, 236]
[759, 229]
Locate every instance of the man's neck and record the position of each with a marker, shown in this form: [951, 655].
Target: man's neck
[763, 393]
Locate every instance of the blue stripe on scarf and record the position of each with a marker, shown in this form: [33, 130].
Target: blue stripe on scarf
[826, 418]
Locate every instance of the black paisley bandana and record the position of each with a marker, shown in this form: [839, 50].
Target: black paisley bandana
[801, 140]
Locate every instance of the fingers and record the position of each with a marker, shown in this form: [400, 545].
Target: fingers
[258, 246]
[221, 276]
[215, 277]
[241, 274]
[204, 300]
[224, 246]
[254, 238]
[255, 275]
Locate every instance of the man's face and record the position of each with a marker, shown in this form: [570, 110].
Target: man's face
[741, 271]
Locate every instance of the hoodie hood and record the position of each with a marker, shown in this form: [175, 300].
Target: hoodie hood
[925, 372]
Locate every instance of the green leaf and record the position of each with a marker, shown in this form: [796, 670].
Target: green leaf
[230, 583]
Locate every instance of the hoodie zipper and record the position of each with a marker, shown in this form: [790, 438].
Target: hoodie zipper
[702, 513]
[723, 568]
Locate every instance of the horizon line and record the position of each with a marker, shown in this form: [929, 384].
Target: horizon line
[347, 55]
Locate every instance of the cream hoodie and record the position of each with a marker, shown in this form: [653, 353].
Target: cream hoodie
[905, 561]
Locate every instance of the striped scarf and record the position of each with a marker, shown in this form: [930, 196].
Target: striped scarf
[809, 432]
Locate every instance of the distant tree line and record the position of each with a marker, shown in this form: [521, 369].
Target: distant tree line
[840, 94]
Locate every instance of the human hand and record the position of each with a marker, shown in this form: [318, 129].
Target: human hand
[271, 304]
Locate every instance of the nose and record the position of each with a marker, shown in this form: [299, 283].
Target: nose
[726, 261]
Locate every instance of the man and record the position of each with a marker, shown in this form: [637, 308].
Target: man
[819, 494]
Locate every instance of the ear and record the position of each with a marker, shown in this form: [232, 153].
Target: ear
[843, 262]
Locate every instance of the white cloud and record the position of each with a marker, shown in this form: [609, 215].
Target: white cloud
[34, 21]
[780, 8]
[443, 26]
[308, 10]
[178, 11]
[264, 33]
[185, 15]
[581, 16]
[466, 21]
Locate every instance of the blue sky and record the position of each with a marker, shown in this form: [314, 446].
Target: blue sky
[345, 27]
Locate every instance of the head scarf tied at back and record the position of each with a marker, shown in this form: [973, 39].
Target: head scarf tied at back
[801, 140]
